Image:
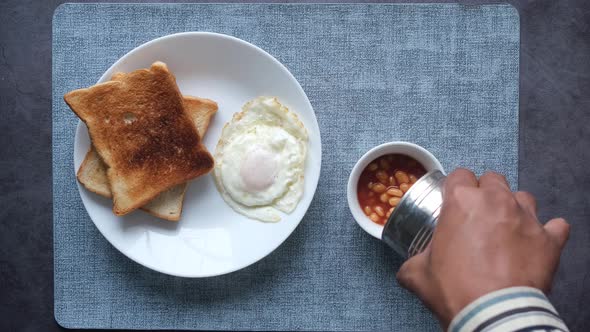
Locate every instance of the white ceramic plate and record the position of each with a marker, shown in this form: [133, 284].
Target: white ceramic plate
[210, 239]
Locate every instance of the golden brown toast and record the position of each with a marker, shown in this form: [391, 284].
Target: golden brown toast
[92, 174]
[140, 129]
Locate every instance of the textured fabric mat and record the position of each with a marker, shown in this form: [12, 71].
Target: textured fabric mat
[443, 76]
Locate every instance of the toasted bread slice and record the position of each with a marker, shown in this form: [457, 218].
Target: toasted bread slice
[92, 174]
[141, 131]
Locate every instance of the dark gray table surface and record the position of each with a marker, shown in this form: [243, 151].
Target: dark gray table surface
[554, 150]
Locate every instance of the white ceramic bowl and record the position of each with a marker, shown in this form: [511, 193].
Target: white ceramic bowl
[417, 152]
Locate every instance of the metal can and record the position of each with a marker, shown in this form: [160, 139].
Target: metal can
[409, 228]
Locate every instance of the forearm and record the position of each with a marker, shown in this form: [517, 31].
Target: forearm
[509, 309]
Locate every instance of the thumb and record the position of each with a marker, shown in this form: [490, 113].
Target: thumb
[411, 274]
[559, 230]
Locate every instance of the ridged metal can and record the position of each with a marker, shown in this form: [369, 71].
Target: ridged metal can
[409, 228]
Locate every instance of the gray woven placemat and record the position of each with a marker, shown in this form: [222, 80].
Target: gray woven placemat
[443, 76]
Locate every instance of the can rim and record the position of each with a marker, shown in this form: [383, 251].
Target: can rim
[408, 194]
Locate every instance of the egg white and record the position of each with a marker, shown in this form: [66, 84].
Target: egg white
[265, 128]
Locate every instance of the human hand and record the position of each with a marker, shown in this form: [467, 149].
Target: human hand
[487, 238]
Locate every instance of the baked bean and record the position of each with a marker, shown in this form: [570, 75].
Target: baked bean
[374, 217]
[394, 201]
[392, 181]
[395, 192]
[383, 183]
[389, 212]
[382, 177]
[379, 211]
[402, 177]
[378, 188]
[405, 187]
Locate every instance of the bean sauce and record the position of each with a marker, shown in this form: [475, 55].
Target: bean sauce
[383, 183]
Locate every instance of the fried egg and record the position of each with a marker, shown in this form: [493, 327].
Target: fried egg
[260, 160]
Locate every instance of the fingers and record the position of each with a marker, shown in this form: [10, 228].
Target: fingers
[493, 180]
[527, 202]
[559, 230]
[461, 177]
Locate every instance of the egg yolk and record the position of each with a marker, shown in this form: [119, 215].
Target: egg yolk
[258, 169]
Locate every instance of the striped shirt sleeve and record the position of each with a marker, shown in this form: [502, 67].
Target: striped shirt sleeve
[522, 309]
